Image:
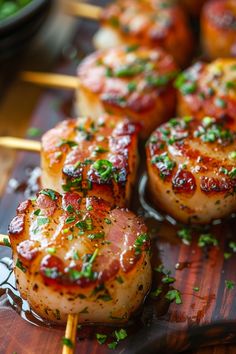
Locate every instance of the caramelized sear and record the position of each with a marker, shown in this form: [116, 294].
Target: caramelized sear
[93, 158]
[132, 81]
[209, 90]
[191, 169]
[218, 27]
[80, 255]
[148, 22]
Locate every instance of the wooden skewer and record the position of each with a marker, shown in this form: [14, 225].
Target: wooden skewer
[20, 144]
[51, 80]
[89, 11]
[70, 334]
[72, 320]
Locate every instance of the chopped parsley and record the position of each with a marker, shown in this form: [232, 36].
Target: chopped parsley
[107, 221]
[139, 242]
[131, 86]
[112, 345]
[229, 284]
[86, 271]
[156, 292]
[34, 132]
[37, 212]
[104, 168]
[85, 310]
[49, 193]
[120, 280]
[100, 150]
[185, 84]
[51, 250]
[70, 219]
[20, 265]
[174, 295]
[42, 221]
[86, 224]
[185, 235]
[207, 240]
[67, 342]
[165, 160]
[232, 245]
[232, 155]
[101, 338]
[227, 255]
[132, 48]
[168, 280]
[219, 102]
[70, 143]
[96, 236]
[120, 334]
[6, 242]
[70, 209]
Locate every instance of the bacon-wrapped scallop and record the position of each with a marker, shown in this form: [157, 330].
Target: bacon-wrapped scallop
[94, 158]
[76, 255]
[209, 90]
[149, 22]
[218, 27]
[132, 81]
[191, 169]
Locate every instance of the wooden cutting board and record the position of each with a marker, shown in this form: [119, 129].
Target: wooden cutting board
[205, 317]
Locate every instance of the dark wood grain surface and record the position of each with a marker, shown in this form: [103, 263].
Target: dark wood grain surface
[206, 317]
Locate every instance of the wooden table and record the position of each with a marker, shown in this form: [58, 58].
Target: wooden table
[14, 110]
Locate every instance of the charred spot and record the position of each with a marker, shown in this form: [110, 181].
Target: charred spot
[184, 182]
[140, 288]
[35, 287]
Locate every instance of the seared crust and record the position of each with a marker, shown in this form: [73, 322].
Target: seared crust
[191, 168]
[151, 23]
[131, 81]
[80, 255]
[209, 90]
[94, 158]
[218, 26]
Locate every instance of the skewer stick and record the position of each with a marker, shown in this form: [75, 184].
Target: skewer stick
[4, 240]
[51, 80]
[20, 144]
[70, 334]
[89, 11]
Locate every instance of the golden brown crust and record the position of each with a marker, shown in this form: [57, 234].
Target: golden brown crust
[93, 158]
[218, 26]
[80, 255]
[191, 167]
[151, 23]
[132, 81]
[209, 90]
[71, 215]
